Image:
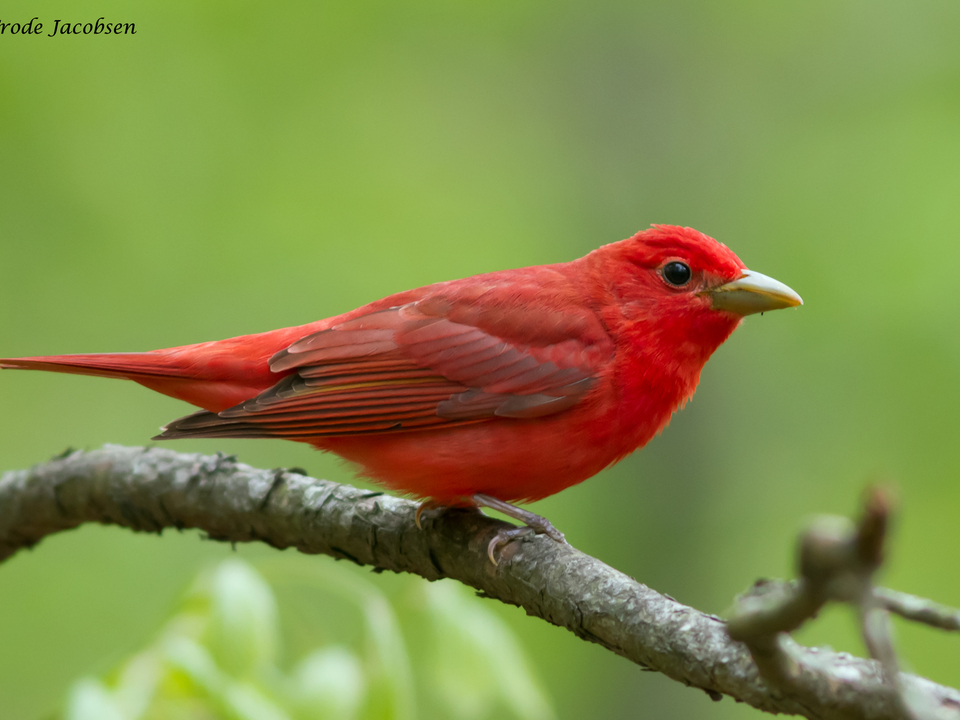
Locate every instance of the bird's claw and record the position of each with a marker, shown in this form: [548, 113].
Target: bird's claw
[507, 535]
[503, 538]
[423, 507]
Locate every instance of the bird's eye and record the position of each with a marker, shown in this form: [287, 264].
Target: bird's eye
[676, 273]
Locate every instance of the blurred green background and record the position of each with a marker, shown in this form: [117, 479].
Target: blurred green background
[236, 167]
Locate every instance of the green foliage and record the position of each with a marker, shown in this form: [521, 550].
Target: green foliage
[243, 630]
[476, 662]
[217, 658]
[328, 683]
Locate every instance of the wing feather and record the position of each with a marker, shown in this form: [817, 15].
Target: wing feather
[423, 364]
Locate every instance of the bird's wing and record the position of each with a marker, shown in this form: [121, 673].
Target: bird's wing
[435, 362]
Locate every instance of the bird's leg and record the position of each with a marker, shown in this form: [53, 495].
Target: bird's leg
[537, 523]
[533, 524]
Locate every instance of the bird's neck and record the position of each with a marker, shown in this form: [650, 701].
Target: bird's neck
[658, 366]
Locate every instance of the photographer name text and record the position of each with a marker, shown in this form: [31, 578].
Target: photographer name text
[62, 27]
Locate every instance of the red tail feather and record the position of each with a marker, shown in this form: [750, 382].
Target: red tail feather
[182, 375]
[114, 365]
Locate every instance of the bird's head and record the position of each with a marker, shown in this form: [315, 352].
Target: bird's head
[678, 282]
[679, 267]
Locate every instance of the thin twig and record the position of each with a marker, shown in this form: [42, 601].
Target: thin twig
[919, 609]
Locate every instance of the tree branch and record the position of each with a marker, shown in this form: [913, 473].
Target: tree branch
[148, 490]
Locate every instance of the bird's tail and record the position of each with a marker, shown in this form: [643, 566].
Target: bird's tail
[114, 365]
[178, 375]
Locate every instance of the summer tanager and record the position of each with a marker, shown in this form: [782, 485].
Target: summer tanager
[508, 386]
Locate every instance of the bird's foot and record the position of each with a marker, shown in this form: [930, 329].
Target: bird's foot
[533, 524]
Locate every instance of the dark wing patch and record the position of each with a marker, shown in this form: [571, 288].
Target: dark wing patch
[399, 369]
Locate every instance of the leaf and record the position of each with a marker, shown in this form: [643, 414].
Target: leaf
[196, 663]
[389, 686]
[477, 661]
[230, 699]
[89, 699]
[137, 684]
[243, 701]
[243, 631]
[390, 672]
[329, 683]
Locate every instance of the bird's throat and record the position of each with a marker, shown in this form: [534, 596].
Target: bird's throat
[659, 365]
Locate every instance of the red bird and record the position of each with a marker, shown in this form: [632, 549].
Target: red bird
[508, 386]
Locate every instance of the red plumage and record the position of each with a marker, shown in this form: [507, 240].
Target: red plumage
[515, 384]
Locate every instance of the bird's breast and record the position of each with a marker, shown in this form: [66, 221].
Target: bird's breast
[514, 460]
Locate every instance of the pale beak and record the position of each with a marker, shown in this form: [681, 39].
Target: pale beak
[753, 293]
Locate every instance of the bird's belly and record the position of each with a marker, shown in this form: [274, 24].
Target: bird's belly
[513, 460]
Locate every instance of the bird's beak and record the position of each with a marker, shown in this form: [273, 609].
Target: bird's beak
[752, 293]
